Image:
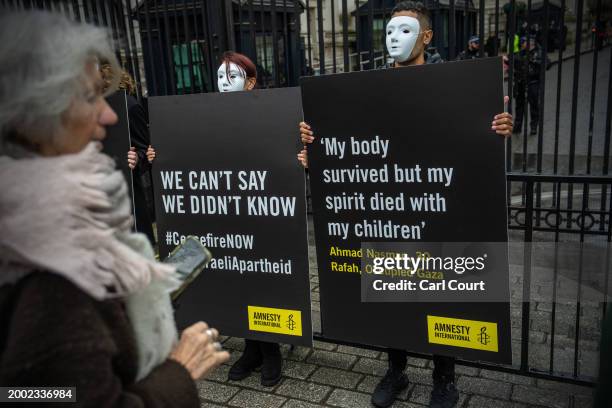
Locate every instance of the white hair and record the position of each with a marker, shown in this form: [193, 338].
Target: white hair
[43, 56]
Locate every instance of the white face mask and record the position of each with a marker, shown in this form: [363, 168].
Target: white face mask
[231, 80]
[402, 33]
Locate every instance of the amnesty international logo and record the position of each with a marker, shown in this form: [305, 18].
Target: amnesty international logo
[483, 337]
[273, 320]
[291, 323]
[464, 333]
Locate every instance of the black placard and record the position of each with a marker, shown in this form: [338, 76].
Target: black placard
[434, 116]
[250, 138]
[117, 142]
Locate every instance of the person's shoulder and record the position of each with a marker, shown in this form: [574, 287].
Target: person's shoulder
[433, 57]
[52, 295]
[48, 284]
[49, 305]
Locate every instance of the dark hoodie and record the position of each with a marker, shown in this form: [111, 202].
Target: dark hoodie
[430, 58]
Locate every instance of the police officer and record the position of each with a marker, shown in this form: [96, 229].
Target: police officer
[527, 64]
[472, 49]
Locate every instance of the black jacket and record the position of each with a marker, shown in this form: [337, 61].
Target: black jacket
[52, 334]
[139, 136]
[527, 65]
[468, 54]
[430, 58]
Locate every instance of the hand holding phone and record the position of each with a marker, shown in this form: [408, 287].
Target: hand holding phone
[189, 258]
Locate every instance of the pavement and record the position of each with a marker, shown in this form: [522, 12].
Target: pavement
[331, 375]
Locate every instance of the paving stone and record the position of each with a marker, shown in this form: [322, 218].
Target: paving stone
[234, 343]
[540, 321]
[544, 306]
[299, 370]
[421, 394]
[466, 370]
[303, 390]
[584, 401]
[316, 322]
[234, 356]
[510, 378]
[349, 399]
[538, 396]
[563, 358]
[588, 363]
[204, 404]
[564, 388]
[404, 404]
[219, 374]
[331, 359]
[322, 345]
[418, 375]
[537, 337]
[298, 353]
[419, 362]
[335, 377]
[371, 366]
[563, 341]
[369, 383]
[476, 401]
[483, 386]
[256, 399]
[253, 381]
[299, 404]
[215, 392]
[358, 351]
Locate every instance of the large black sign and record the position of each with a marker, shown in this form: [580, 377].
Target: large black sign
[226, 173]
[402, 156]
[117, 142]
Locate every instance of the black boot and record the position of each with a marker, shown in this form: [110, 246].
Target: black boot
[444, 393]
[250, 360]
[272, 364]
[389, 387]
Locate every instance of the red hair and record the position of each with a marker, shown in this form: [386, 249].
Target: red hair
[241, 60]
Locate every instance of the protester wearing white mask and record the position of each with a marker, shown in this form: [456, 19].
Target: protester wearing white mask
[232, 78]
[402, 34]
[408, 37]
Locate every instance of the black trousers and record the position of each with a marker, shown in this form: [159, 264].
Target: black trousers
[264, 347]
[532, 98]
[444, 367]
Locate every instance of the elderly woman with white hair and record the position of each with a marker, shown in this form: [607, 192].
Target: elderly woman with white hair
[83, 303]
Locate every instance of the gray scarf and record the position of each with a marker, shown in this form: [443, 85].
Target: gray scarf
[71, 215]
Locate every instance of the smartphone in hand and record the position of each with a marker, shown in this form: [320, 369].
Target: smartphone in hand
[189, 258]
